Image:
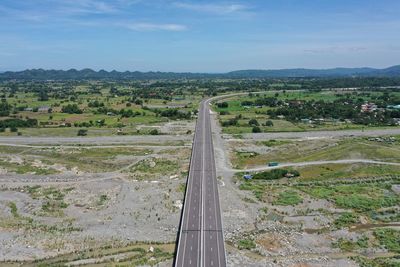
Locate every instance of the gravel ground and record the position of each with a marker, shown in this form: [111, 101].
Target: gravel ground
[134, 208]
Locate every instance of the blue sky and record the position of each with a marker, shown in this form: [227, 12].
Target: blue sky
[198, 36]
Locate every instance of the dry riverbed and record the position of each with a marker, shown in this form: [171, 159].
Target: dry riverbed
[56, 200]
[331, 215]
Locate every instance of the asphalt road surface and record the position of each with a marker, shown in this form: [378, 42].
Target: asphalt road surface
[201, 240]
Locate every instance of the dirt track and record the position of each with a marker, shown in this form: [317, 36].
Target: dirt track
[317, 134]
[321, 162]
[98, 140]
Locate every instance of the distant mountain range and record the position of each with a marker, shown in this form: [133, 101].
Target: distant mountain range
[88, 74]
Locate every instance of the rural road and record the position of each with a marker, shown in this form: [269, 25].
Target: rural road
[318, 134]
[201, 240]
[95, 140]
[322, 162]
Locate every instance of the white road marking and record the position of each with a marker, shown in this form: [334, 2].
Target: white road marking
[204, 183]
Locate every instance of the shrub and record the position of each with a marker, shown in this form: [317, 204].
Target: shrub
[95, 104]
[9, 123]
[253, 122]
[223, 105]
[275, 174]
[230, 122]
[4, 108]
[82, 132]
[269, 123]
[154, 132]
[256, 129]
[71, 109]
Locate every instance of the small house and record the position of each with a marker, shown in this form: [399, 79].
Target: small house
[368, 107]
[306, 121]
[44, 109]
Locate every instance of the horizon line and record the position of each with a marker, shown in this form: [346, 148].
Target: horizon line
[200, 72]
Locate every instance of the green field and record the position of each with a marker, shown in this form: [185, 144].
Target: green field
[321, 149]
[281, 125]
[101, 107]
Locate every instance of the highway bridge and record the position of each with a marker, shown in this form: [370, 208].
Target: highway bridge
[201, 240]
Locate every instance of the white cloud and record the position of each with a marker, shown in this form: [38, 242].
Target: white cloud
[154, 27]
[87, 6]
[212, 8]
[335, 49]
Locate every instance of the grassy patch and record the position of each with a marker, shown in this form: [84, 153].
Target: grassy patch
[288, 198]
[387, 215]
[346, 219]
[356, 147]
[324, 150]
[344, 171]
[93, 159]
[156, 165]
[246, 244]
[25, 168]
[14, 209]
[258, 190]
[348, 245]
[376, 262]
[389, 238]
[358, 197]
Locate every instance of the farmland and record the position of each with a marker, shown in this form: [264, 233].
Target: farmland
[61, 109]
[242, 114]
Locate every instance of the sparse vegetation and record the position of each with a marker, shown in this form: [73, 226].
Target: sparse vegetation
[346, 219]
[246, 244]
[358, 197]
[288, 198]
[348, 245]
[389, 238]
[14, 209]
